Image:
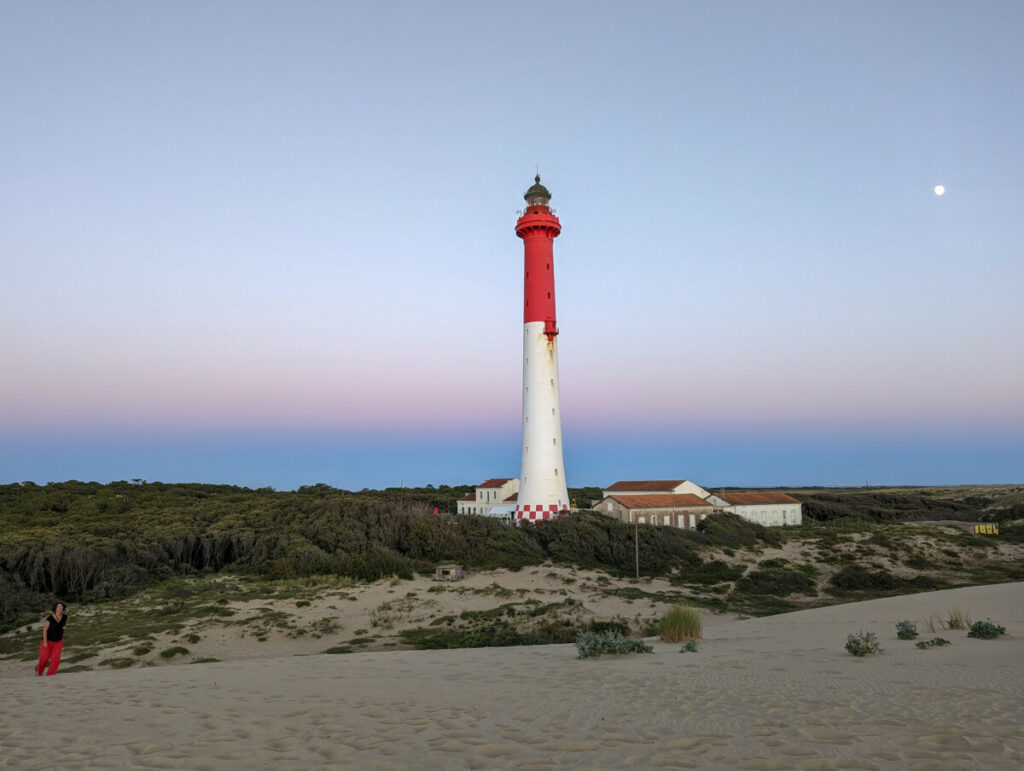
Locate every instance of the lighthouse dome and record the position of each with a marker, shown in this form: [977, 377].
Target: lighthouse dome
[537, 195]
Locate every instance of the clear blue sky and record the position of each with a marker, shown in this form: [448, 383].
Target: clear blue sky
[273, 243]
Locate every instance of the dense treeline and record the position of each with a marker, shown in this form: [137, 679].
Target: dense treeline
[904, 506]
[86, 541]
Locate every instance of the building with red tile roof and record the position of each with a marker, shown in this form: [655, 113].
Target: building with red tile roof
[671, 509]
[766, 508]
[661, 487]
[681, 503]
[494, 498]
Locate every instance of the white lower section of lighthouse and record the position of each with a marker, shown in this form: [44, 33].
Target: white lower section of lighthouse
[542, 490]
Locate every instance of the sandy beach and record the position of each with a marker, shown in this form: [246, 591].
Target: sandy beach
[762, 693]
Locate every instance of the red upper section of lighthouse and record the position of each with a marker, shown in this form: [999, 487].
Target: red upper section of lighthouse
[538, 228]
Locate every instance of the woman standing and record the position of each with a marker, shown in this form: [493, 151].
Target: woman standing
[53, 640]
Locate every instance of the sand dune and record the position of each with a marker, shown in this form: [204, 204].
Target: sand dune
[768, 693]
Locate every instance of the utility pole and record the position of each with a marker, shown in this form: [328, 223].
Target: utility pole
[636, 543]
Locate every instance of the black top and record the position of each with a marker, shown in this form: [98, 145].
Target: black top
[55, 631]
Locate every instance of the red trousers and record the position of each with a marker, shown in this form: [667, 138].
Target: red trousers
[50, 653]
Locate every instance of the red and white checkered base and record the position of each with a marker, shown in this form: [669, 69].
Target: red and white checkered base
[538, 512]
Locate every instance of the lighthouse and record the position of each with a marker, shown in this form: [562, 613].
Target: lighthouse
[542, 490]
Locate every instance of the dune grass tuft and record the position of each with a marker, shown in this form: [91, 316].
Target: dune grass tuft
[681, 622]
[958, 619]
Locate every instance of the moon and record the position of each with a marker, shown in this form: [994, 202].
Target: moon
[940, 189]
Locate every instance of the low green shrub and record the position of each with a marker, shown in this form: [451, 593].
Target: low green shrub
[862, 644]
[609, 626]
[731, 530]
[593, 644]
[935, 642]
[681, 622]
[854, 578]
[691, 646]
[122, 663]
[986, 630]
[906, 629]
[492, 633]
[170, 653]
[778, 578]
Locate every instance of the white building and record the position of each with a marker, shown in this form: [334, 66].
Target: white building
[770, 509]
[493, 498]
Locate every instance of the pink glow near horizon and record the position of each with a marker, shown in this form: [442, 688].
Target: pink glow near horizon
[397, 402]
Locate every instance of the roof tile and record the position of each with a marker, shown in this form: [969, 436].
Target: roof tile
[748, 499]
[666, 501]
[649, 486]
[496, 482]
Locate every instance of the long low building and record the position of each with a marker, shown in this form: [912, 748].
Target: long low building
[769, 509]
[672, 509]
[681, 503]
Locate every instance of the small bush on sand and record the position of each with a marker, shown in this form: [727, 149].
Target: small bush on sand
[593, 644]
[906, 630]
[986, 630]
[170, 653]
[691, 646]
[862, 644]
[935, 642]
[681, 622]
